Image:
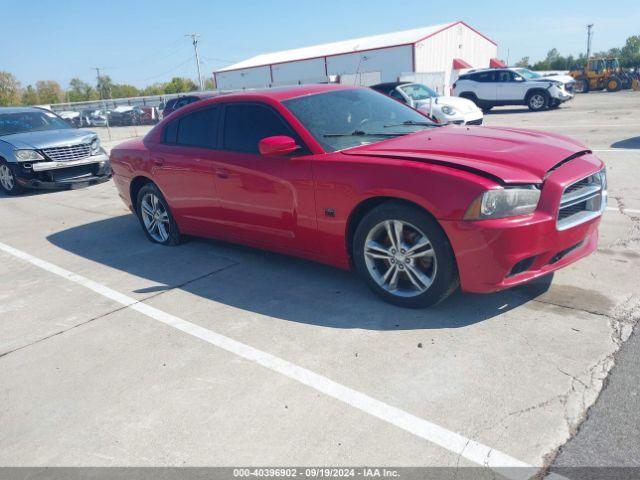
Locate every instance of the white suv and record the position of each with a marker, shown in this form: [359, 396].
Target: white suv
[513, 86]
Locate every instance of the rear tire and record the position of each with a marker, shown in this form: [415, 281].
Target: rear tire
[412, 265]
[8, 181]
[156, 218]
[538, 101]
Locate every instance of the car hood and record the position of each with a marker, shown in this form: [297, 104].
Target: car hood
[49, 138]
[555, 78]
[508, 155]
[460, 104]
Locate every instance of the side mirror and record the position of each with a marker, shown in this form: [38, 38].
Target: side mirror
[277, 145]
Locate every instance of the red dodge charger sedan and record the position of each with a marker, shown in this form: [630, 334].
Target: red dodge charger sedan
[355, 179]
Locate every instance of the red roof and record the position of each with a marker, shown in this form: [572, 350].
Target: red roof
[458, 64]
[497, 63]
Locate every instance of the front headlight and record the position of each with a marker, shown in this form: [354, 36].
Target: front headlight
[447, 110]
[95, 146]
[28, 156]
[504, 202]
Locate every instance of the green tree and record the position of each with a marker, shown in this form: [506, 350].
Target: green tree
[9, 89]
[80, 91]
[523, 62]
[210, 84]
[49, 91]
[155, 89]
[104, 86]
[630, 53]
[30, 96]
[180, 85]
[122, 90]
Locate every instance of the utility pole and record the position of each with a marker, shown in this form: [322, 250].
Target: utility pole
[194, 39]
[104, 103]
[589, 35]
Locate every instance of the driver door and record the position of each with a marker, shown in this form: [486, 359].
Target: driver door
[264, 200]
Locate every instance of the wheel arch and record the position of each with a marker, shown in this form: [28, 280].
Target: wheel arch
[136, 185]
[533, 90]
[367, 205]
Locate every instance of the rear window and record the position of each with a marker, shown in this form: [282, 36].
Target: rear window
[196, 129]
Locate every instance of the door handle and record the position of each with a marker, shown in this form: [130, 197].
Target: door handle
[222, 173]
[159, 161]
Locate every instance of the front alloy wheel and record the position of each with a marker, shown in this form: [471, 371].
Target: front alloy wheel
[538, 101]
[8, 182]
[156, 218]
[404, 256]
[400, 258]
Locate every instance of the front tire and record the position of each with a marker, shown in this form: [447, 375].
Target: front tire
[8, 181]
[613, 84]
[404, 256]
[538, 101]
[156, 218]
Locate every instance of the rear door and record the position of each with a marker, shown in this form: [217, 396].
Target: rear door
[485, 85]
[183, 169]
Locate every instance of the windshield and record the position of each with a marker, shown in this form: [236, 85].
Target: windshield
[613, 64]
[528, 74]
[342, 119]
[29, 121]
[416, 91]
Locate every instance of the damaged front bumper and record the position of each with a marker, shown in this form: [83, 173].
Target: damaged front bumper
[60, 175]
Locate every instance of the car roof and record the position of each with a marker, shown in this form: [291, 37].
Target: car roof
[382, 86]
[21, 109]
[285, 93]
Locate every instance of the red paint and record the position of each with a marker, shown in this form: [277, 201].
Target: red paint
[496, 63]
[458, 64]
[278, 203]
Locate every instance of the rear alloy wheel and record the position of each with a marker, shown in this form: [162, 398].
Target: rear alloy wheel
[8, 182]
[155, 217]
[404, 256]
[538, 101]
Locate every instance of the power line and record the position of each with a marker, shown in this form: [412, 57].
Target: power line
[165, 72]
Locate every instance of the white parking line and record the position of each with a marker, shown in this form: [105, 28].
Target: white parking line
[628, 210]
[464, 447]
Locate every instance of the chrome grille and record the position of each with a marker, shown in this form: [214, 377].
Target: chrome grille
[65, 154]
[583, 200]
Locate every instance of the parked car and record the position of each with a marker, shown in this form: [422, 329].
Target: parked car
[125, 115]
[71, 117]
[513, 86]
[349, 177]
[443, 110]
[38, 149]
[179, 102]
[98, 118]
[148, 115]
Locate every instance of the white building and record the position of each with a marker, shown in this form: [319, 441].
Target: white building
[431, 55]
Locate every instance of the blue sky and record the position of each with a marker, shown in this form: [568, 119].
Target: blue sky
[142, 41]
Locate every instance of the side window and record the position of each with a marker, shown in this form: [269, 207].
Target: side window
[170, 134]
[396, 96]
[196, 129]
[199, 128]
[246, 124]
[485, 77]
[504, 76]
